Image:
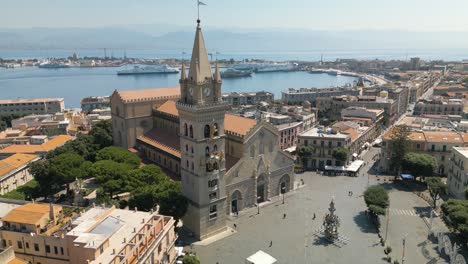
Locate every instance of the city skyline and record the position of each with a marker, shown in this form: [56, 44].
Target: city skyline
[415, 15]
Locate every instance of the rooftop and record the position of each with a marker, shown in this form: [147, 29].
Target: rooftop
[149, 94]
[462, 150]
[15, 162]
[160, 139]
[315, 132]
[29, 213]
[35, 100]
[45, 147]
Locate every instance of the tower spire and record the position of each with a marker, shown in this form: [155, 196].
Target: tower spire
[200, 68]
[217, 75]
[183, 74]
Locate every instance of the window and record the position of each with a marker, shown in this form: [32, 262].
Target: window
[444, 148]
[213, 211]
[215, 148]
[212, 183]
[339, 144]
[47, 249]
[27, 244]
[191, 149]
[61, 250]
[329, 143]
[432, 147]
[186, 148]
[305, 143]
[207, 151]
[193, 167]
[213, 195]
[56, 250]
[36, 247]
[191, 131]
[418, 146]
[322, 143]
[206, 131]
[4, 243]
[185, 130]
[20, 245]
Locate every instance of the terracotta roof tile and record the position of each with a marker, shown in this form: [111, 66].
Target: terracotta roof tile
[29, 213]
[232, 123]
[149, 94]
[352, 132]
[167, 142]
[14, 162]
[45, 147]
[238, 124]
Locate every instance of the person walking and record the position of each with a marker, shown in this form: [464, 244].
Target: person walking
[284, 216]
[271, 243]
[313, 217]
[235, 227]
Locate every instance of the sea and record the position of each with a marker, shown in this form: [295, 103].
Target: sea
[73, 84]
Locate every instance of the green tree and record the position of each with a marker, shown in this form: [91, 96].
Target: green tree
[304, 153]
[376, 198]
[399, 147]
[466, 192]
[102, 133]
[118, 154]
[465, 80]
[419, 164]
[455, 215]
[190, 259]
[144, 176]
[111, 175]
[436, 188]
[340, 154]
[48, 185]
[66, 167]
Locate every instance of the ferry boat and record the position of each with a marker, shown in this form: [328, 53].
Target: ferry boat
[53, 65]
[266, 67]
[157, 69]
[233, 73]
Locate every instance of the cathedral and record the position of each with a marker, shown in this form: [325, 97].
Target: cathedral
[225, 162]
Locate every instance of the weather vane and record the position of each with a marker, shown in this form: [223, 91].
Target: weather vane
[199, 3]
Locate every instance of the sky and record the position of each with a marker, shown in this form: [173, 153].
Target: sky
[413, 15]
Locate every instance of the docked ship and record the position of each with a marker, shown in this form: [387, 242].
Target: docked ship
[265, 67]
[53, 65]
[233, 73]
[158, 69]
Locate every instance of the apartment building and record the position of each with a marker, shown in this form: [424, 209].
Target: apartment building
[457, 179]
[14, 171]
[247, 98]
[311, 94]
[32, 106]
[439, 106]
[45, 234]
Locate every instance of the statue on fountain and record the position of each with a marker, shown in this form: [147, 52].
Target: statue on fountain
[331, 222]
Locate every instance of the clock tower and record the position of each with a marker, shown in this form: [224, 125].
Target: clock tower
[201, 114]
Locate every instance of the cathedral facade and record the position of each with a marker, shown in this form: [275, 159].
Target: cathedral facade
[225, 162]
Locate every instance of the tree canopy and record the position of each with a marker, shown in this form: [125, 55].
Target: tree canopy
[419, 164]
[340, 154]
[399, 146]
[455, 213]
[436, 187]
[376, 198]
[118, 154]
[190, 259]
[304, 153]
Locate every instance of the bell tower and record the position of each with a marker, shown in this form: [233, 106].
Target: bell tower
[201, 114]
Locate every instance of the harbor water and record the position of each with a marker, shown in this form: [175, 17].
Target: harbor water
[73, 84]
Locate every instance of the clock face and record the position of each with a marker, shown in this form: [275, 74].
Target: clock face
[190, 90]
[207, 91]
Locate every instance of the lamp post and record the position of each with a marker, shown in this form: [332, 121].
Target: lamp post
[404, 248]
[283, 190]
[258, 205]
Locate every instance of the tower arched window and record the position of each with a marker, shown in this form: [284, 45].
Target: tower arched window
[215, 130]
[207, 151]
[215, 148]
[192, 149]
[206, 131]
[191, 131]
[186, 148]
[188, 166]
[185, 130]
[193, 167]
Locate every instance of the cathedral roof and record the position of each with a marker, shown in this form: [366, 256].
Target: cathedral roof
[236, 125]
[160, 139]
[149, 94]
[200, 68]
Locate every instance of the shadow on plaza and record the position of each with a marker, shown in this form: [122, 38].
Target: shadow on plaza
[403, 186]
[364, 223]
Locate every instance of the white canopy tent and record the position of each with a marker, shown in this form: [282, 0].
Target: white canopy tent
[260, 257]
[354, 167]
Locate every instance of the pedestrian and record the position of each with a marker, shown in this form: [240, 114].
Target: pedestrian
[351, 192]
[271, 243]
[313, 217]
[284, 216]
[235, 226]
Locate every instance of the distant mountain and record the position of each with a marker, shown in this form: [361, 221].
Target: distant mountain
[157, 37]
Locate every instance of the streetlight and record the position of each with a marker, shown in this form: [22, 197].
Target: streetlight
[404, 247]
[283, 190]
[258, 205]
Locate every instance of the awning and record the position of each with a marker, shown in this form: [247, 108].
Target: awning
[291, 149]
[407, 176]
[335, 168]
[354, 167]
[355, 155]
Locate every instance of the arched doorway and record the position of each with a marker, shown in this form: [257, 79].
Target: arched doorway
[236, 202]
[284, 184]
[261, 189]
